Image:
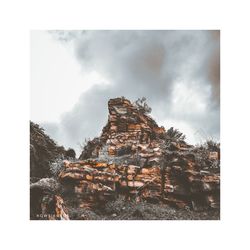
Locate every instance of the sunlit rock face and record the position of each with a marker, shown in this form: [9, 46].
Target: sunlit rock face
[136, 158]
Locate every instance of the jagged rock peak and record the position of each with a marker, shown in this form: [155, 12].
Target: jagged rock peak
[125, 116]
[128, 127]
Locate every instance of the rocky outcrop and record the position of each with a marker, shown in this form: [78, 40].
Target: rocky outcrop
[136, 158]
[178, 183]
[127, 132]
[134, 161]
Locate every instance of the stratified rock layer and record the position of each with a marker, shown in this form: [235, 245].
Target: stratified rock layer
[134, 157]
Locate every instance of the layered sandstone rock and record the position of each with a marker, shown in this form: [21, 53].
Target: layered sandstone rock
[95, 182]
[133, 160]
[136, 158]
[128, 131]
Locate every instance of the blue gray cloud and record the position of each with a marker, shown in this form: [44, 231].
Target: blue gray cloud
[177, 71]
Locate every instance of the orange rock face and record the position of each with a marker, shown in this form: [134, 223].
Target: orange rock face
[133, 158]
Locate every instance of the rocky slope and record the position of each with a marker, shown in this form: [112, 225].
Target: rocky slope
[44, 151]
[45, 203]
[140, 165]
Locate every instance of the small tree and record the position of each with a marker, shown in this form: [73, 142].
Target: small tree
[213, 145]
[175, 135]
[142, 106]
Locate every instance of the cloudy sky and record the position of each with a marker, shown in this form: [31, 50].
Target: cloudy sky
[74, 73]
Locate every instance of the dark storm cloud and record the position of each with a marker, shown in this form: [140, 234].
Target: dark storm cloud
[150, 64]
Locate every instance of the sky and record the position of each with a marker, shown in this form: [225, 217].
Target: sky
[75, 73]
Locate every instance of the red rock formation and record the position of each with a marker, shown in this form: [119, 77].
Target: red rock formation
[136, 158]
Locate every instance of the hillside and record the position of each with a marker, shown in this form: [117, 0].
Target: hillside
[137, 170]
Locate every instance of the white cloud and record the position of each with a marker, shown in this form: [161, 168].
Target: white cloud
[190, 99]
[177, 71]
[57, 79]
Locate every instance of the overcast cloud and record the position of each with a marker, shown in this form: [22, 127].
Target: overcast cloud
[177, 71]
